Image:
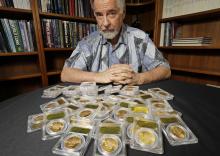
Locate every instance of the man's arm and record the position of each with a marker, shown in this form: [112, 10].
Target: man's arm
[116, 73]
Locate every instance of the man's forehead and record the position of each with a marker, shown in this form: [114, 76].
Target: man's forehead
[105, 5]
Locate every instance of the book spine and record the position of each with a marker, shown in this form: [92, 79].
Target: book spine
[7, 29]
[16, 35]
[23, 39]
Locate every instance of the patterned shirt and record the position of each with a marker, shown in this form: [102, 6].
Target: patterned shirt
[94, 53]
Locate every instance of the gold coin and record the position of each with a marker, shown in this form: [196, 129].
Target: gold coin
[56, 126]
[178, 132]
[147, 137]
[109, 145]
[72, 142]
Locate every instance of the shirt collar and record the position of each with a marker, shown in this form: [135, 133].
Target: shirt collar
[122, 39]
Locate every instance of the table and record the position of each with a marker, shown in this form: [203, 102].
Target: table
[199, 105]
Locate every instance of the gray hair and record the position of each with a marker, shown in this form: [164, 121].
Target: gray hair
[120, 3]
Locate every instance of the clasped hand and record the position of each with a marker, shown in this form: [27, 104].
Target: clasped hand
[119, 74]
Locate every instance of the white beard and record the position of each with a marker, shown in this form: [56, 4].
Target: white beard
[109, 35]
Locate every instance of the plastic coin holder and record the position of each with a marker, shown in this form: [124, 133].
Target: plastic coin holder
[159, 104]
[130, 90]
[147, 135]
[49, 106]
[162, 94]
[105, 109]
[52, 92]
[89, 89]
[61, 101]
[109, 144]
[121, 114]
[158, 113]
[35, 122]
[110, 139]
[176, 131]
[55, 124]
[71, 91]
[56, 127]
[145, 95]
[86, 113]
[75, 141]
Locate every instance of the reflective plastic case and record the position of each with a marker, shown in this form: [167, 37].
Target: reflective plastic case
[176, 131]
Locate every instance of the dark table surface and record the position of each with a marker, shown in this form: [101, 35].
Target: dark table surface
[199, 104]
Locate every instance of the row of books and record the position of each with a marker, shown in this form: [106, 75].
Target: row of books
[64, 34]
[22, 4]
[192, 41]
[171, 35]
[173, 8]
[17, 36]
[79, 8]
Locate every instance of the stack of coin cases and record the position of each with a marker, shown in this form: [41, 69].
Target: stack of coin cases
[129, 90]
[112, 89]
[55, 124]
[162, 94]
[109, 140]
[71, 91]
[89, 89]
[52, 92]
[146, 135]
[77, 138]
[54, 104]
[35, 122]
[176, 131]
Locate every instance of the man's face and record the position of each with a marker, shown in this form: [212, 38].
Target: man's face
[109, 17]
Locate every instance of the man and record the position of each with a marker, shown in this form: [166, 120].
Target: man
[116, 53]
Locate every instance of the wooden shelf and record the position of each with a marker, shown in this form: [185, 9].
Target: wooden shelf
[189, 47]
[17, 77]
[198, 71]
[18, 54]
[5, 10]
[58, 49]
[51, 73]
[148, 2]
[67, 17]
[210, 14]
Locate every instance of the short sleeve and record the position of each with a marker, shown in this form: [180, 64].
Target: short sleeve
[79, 57]
[152, 56]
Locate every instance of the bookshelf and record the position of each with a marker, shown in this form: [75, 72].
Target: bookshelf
[195, 64]
[25, 71]
[141, 14]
